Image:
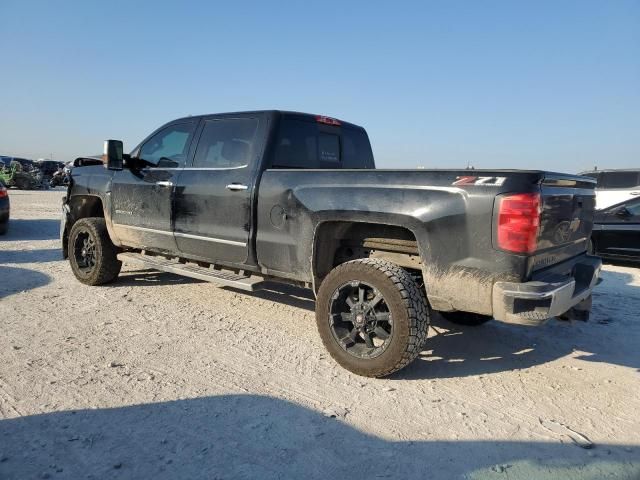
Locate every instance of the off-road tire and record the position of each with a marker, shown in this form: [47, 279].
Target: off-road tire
[107, 266]
[466, 318]
[406, 302]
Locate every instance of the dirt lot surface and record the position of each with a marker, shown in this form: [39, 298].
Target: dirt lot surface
[157, 376]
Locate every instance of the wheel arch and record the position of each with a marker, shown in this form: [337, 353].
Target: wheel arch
[83, 206]
[338, 241]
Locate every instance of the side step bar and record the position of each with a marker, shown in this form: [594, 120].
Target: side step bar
[220, 277]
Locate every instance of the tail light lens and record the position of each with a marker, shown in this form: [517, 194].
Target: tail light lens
[519, 222]
[3, 191]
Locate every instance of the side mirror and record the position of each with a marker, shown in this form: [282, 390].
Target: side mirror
[113, 154]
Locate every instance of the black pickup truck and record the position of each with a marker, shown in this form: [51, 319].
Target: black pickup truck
[243, 198]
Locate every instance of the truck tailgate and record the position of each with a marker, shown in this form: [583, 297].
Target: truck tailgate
[566, 218]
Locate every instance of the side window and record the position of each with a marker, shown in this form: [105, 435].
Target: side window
[169, 147]
[618, 180]
[226, 143]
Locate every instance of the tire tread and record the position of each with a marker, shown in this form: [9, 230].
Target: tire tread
[109, 265]
[415, 304]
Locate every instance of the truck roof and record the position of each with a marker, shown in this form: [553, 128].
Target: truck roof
[284, 113]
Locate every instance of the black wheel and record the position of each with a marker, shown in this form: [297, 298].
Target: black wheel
[4, 227]
[466, 318]
[92, 255]
[372, 317]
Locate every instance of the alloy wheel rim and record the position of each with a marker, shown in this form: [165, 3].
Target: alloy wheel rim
[84, 249]
[360, 320]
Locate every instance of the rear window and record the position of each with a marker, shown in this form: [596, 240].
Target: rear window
[618, 180]
[303, 144]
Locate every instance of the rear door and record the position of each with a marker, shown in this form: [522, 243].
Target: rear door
[213, 200]
[142, 197]
[618, 230]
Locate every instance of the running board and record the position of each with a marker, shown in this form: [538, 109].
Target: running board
[220, 277]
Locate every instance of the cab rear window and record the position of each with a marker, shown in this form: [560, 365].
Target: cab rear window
[307, 144]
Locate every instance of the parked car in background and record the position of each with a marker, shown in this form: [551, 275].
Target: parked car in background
[4, 209]
[615, 186]
[21, 174]
[616, 231]
[48, 167]
[26, 164]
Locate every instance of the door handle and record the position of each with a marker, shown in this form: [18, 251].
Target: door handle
[635, 193]
[236, 187]
[164, 184]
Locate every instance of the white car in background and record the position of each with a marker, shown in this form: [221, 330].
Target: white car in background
[615, 186]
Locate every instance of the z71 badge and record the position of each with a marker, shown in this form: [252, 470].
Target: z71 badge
[471, 180]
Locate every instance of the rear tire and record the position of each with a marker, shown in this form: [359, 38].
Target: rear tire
[466, 318]
[372, 317]
[92, 255]
[4, 227]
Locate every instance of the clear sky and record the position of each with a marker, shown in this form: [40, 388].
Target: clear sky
[525, 84]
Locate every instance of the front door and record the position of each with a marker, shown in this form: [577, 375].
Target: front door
[142, 195]
[212, 204]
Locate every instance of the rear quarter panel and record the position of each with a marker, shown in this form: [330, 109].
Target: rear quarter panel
[452, 224]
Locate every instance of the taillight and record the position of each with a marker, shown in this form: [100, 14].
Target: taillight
[3, 191]
[519, 222]
[327, 120]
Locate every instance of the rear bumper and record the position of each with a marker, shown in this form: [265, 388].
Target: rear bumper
[565, 289]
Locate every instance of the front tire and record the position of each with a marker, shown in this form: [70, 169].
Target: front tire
[372, 317]
[92, 255]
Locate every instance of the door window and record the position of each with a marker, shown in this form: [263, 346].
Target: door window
[169, 147]
[226, 143]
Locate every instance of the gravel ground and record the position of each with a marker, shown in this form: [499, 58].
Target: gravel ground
[157, 376]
